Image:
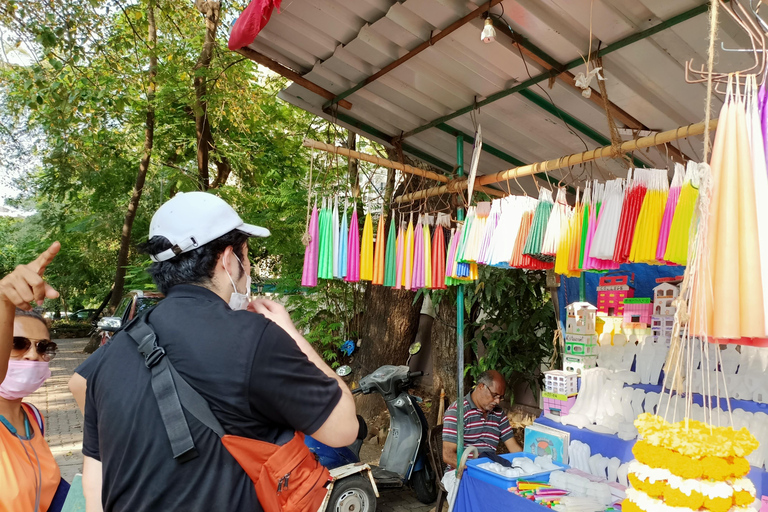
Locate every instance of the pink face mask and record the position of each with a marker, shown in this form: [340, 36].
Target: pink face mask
[23, 378]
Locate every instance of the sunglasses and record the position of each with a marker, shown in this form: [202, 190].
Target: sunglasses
[45, 348]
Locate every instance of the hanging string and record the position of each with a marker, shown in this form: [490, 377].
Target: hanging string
[710, 65]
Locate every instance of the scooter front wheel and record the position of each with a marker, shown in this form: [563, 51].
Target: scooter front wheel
[424, 484]
[352, 494]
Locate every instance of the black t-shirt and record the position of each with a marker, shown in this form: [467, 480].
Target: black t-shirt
[256, 380]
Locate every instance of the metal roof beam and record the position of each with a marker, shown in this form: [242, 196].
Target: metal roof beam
[573, 122]
[548, 62]
[289, 74]
[411, 54]
[498, 153]
[618, 45]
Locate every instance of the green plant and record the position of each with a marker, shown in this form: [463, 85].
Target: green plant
[513, 317]
[325, 315]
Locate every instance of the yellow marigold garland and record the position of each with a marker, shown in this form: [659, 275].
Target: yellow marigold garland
[694, 438]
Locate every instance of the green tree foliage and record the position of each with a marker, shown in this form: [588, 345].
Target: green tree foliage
[81, 98]
[514, 320]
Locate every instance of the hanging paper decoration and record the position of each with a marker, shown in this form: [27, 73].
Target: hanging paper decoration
[325, 265]
[353, 250]
[379, 262]
[646, 237]
[309, 275]
[439, 252]
[535, 241]
[604, 241]
[589, 263]
[390, 266]
[633, 201]
[486, 246]
[567, 239]
[343, 244]
[574, 242]
[450, 260]
[512, 209]
[477, 230]
[679, 230]
[335, 240]
[466, 229]
[400, 266]
[427, 241]
[417, 280]
[669, 212]
[758, 119]
[408, 255]
[558, 221]
[735, 309]
[586, 207]
[366, 250]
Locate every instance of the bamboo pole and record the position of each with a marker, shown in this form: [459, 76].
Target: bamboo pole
[565, 161]
[383, 162]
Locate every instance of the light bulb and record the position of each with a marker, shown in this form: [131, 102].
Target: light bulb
[489, 33]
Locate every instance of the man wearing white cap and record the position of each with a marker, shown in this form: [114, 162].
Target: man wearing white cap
[259, 376]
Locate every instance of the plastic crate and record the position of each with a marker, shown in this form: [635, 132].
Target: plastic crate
[502, 481]
[561, 382]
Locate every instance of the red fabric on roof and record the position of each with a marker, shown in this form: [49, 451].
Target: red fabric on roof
[251, 21]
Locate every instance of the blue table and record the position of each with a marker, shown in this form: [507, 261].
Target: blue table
[477, 496]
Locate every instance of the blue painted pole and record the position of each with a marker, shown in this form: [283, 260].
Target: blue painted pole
[460, 322]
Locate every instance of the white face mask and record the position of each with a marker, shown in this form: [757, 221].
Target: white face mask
[239, 301]
[23, 378]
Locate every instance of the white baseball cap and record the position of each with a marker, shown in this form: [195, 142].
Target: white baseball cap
[191, 220]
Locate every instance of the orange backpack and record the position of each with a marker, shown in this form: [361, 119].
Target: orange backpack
[287, 477]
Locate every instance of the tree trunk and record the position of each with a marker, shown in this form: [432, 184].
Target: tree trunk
[101, 307]
[149, 134]
[389, 325]
[444, 360]
[205, 145]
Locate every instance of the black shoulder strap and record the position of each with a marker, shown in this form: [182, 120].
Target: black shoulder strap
[172, 392]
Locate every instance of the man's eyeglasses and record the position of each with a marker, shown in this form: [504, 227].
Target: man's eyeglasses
[495, 396]
[45, 348]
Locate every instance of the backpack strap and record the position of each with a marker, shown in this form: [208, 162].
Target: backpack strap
[171, 392]
[38, 417]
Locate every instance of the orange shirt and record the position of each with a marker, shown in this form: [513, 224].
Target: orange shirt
[18, 475]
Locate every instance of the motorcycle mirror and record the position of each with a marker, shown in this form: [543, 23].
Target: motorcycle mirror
[415, 348]
[343, 371]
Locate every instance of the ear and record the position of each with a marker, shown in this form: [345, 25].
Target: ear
[225, 260]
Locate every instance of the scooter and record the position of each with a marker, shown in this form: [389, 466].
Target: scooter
[404, 460]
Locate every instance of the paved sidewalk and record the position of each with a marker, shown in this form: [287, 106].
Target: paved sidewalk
[63, 421]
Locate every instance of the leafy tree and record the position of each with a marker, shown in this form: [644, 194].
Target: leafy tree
[513, 318]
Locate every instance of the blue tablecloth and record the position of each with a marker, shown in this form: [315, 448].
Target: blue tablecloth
[477, 496]
[604, 444]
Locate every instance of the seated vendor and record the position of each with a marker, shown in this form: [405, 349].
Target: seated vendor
[485, 423]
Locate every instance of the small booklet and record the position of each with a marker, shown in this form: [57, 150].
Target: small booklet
[541, 441]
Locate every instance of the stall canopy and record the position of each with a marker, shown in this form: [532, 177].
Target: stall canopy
[352, 53]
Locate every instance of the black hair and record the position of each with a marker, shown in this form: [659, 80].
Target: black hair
[32, 314]
[194, 267]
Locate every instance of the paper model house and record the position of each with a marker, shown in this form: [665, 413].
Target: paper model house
[662, 326]
[612, 291]
[638, 311]
[663, 298]
[581, 318]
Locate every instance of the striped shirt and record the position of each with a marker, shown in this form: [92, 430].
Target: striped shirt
[480, 431]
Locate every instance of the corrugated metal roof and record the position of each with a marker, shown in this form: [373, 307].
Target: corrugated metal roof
[338, 43]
